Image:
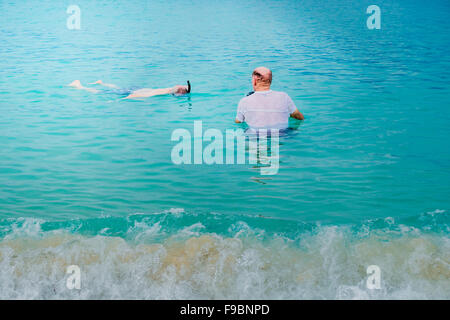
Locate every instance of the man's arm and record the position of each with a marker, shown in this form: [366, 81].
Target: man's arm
[294, 113]
[297, 115]
[239, 114]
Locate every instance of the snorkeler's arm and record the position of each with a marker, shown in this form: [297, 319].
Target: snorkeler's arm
[297, 115]
[164, 91]
[176, 90]
[145, 93]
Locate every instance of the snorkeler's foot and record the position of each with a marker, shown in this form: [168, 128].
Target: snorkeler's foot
[75, 84]
[97, 82]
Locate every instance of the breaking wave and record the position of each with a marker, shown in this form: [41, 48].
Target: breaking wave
[179, 255]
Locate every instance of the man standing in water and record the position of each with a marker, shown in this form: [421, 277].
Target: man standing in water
[265, 108]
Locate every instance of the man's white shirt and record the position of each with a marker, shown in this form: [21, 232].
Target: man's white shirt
[266, 109]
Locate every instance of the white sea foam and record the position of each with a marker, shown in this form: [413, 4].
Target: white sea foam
[192, 264]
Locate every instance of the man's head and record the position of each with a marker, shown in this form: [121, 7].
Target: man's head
[261, 79]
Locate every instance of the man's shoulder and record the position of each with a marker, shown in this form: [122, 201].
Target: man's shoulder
[245, 99]
[254, 96]
[279, 93]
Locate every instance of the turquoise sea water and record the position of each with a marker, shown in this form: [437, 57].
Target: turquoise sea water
[87, 179]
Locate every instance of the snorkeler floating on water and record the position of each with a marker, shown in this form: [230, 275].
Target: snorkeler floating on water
[136, 93]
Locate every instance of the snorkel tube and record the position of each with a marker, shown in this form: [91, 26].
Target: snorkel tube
[189, 87]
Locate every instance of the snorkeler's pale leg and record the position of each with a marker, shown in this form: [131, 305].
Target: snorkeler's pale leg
[109, 85]
[77, 85]
[131, 96]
